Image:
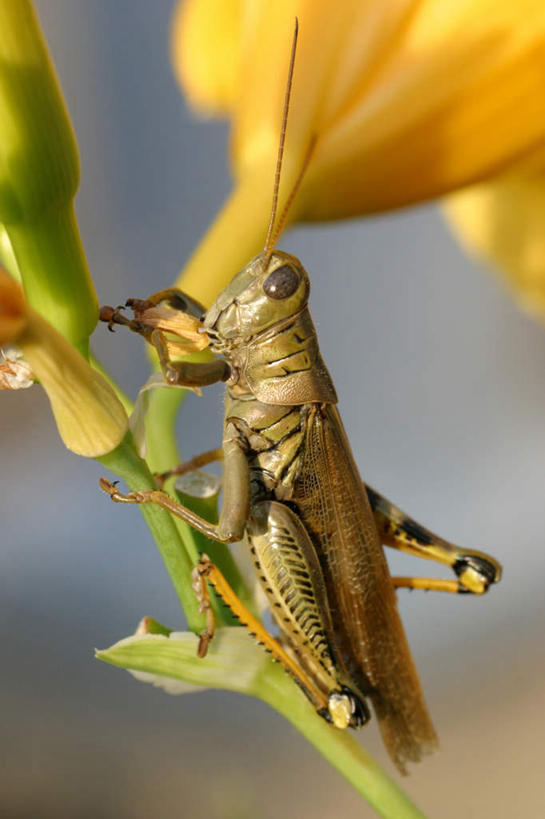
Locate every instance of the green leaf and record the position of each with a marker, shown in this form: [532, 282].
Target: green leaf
[233, 660]
[236, 663]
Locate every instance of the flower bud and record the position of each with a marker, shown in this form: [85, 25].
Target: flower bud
[39, 176]
[90, 418]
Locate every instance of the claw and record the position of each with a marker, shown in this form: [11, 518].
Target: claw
[137, 304]
[107, 314]
[107, 486]
[112, 316]
[202, 648]
[477, 573]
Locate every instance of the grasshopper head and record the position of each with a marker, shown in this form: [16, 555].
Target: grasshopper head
[268, 290]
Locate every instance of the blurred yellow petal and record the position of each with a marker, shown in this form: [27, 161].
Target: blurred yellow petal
[503, 221]
[90, 419]
[408, 99]
[206, 52]
[457, 98]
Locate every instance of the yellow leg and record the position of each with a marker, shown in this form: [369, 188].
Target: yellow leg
[205, 607]
[205, 569]
[476, 571]
[429, 584]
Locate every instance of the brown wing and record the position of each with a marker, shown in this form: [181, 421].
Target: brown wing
[369, 641]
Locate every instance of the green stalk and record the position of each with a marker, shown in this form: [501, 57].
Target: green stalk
[235, 663]
[162, 454]
[162, 448]
[340, 748]
[125, 462]
[55, 275]
[39, 177]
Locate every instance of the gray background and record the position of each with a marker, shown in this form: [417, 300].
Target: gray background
[442, 386]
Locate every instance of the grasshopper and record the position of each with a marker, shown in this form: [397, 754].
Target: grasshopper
[292, 489]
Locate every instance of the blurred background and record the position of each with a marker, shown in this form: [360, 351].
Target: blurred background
[442, 387]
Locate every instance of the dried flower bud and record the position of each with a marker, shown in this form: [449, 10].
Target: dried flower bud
[15, 374]
[186, 328]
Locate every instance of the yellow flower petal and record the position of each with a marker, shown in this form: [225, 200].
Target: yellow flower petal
[90, 419]
[408, 99]
[503, 221]
[206, 52]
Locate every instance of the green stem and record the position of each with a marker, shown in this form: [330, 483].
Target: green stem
[339, 747]
[125, 462]
[234, 663]
[39, 177]
[55, 275]
[162, 449]
[162, 454]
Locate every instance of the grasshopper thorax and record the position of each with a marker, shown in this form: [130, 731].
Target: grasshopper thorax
[267, 291]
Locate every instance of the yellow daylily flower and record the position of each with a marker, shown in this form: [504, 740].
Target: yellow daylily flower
[90, 418]
[503, 221]
[407, 100]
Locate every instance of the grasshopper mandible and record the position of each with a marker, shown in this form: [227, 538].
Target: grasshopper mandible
[292, 488]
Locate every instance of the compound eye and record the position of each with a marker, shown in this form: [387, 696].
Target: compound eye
[281, 283]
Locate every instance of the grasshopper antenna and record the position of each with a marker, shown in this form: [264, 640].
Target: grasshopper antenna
[268, 244]
[269, 249]
[272, 234]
